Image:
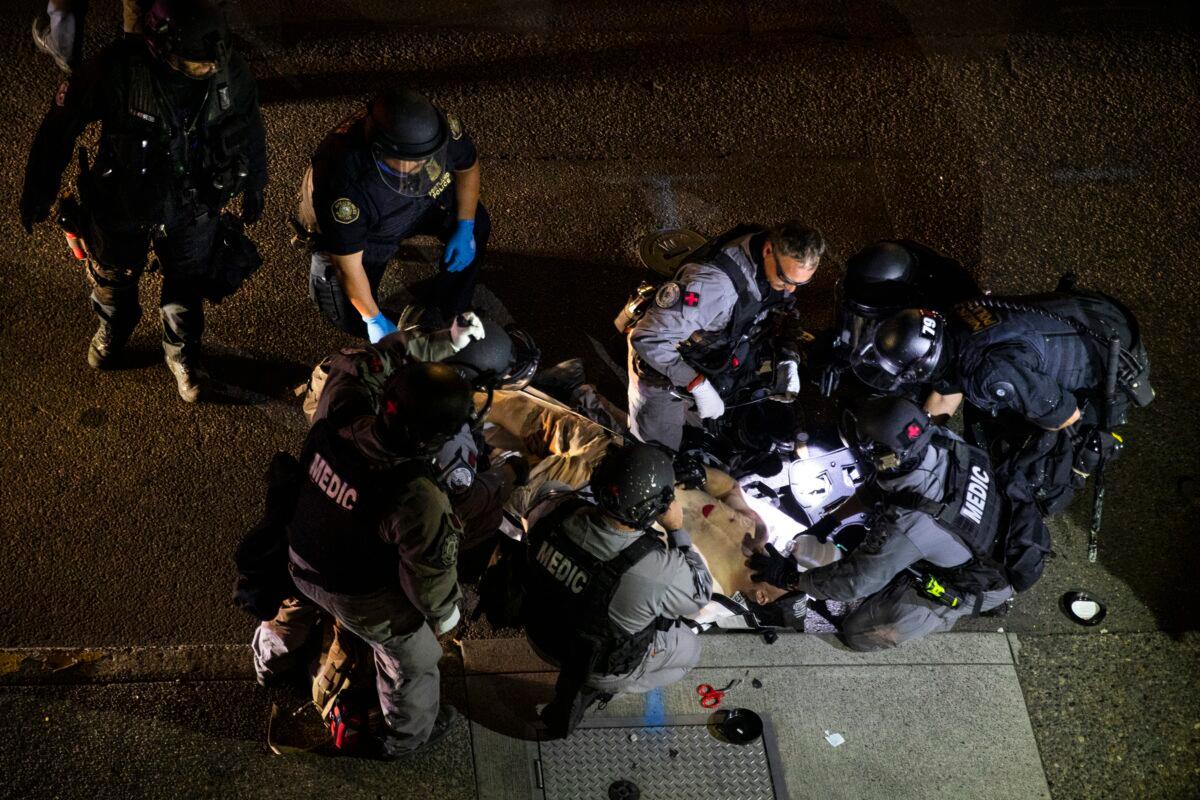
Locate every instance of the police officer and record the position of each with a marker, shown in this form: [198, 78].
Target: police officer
[374, 543]
[699, 334]
[605, 594]
[1032, 365]
[928, 559]
[180, 136]
[398, 169]
[884, 278]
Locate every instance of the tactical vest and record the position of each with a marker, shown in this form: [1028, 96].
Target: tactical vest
[971, 507]
[342, 504]
[151, 166]
[568, 593]
[728, 356]
[1073, 327]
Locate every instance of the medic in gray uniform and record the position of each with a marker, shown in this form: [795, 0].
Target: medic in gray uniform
[928, 559]
[699, 334]
[605, 594]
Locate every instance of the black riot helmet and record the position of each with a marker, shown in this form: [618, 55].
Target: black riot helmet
[408, 136]
[634, 483]
[891, 433]
[423, 406]
[191, 30]
[903, 349]
[880, 278]
[505, 358]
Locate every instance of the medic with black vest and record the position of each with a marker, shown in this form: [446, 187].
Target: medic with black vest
[180, 137]
[932, 553]
[605, 594]
[698, 335]
[374, 542]
[399, 168]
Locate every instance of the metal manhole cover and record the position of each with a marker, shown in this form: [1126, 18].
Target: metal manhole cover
[664, 251]
[676, 762]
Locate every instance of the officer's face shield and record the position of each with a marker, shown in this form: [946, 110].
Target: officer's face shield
[525, 360]
[875, 370]
[410, 177]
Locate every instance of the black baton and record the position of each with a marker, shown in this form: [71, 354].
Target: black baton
[1110, 397]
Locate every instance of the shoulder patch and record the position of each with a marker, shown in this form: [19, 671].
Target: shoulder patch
[456, 128]
[691, 298]
[976, 317]
[344, 210]
[448, 554]
[667, 295]
[60, 97]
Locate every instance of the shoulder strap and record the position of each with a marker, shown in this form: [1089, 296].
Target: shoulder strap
[555, 517]
[604, 584]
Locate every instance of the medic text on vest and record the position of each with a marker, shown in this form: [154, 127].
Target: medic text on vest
[328, 481]
[562, 569]
[976, 495]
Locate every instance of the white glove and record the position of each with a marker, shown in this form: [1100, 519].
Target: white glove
[465, 329]
[709, 404]
[446, 625]
[787, 381]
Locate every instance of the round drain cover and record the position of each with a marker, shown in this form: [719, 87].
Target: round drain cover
[664, 251]
[624, 790]
[1082, 608]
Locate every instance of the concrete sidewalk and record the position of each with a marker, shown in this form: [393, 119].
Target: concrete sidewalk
[946, 713]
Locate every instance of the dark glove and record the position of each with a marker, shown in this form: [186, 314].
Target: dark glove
[520, 468]
[252, 206]
[33, 212]
[773, 567]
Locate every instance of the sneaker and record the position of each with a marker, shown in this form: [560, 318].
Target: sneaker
[393, 748]
[189, 377]
[105, 347]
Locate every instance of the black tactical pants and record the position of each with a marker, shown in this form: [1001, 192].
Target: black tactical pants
[185, 255]
[450, 293]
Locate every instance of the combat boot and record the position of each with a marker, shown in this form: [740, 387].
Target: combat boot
[190, 378]
[392, 748]
[105, 347]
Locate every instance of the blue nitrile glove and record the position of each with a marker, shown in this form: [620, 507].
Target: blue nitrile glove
[378, 327]
[460, 250]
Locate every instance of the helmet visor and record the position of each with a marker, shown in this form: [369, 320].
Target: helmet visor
[411, 177]
[877, 372]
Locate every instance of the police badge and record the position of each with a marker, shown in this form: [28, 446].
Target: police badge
[344, 210]
[667, 295]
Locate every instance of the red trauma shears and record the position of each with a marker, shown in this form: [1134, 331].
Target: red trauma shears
[710, 697]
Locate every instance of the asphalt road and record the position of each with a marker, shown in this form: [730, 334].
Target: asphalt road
[1023, 141]
[1022, 138]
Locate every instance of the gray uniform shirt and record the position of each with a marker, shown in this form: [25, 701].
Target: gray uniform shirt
[670, 583]
[698, 308]
[909, 536]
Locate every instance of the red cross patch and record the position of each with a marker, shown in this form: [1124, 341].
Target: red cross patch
[691, 299]
[912, 431]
